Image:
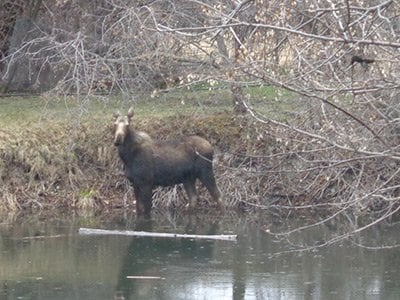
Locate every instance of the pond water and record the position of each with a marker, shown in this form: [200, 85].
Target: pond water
[44, 257]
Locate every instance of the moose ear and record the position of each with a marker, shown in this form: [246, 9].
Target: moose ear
[130, 113]
[116, 115]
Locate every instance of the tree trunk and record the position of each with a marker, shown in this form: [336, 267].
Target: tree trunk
[239, 99]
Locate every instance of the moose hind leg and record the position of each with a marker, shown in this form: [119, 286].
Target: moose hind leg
[190, 188]
[208, 179]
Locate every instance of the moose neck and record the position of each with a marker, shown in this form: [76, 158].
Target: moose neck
[128, 147]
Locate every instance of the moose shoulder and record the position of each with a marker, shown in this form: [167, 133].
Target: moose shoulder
[149, 163]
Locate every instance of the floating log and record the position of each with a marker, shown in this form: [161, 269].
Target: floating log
[92, 231]
[146, 277]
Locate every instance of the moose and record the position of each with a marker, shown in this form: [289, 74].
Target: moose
[149, 163]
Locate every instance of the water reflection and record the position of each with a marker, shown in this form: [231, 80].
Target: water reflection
[64, 265]
[153, 256]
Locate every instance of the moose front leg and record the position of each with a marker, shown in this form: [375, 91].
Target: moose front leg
[139, 205]
[190, 188]
[143, 196]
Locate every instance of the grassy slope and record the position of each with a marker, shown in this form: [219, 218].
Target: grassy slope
[17, 111]
[58, 151]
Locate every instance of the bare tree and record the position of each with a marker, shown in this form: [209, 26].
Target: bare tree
[332, 141]
[340, 147]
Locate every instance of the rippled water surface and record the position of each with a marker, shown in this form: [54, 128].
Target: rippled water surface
[44, 257]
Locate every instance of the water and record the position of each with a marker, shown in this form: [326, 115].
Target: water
[65, 265]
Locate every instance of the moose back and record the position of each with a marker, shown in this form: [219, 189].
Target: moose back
[149, 163]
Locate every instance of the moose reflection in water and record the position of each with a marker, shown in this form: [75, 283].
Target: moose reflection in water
[149, 163]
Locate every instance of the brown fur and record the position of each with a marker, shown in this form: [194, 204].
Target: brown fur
[149, 163]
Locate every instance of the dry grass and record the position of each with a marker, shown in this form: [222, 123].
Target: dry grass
[40, 165]
[262, 165]
[62, 164]
[59, 164]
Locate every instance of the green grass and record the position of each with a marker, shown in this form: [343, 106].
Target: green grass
[268, 93]
[37, 110]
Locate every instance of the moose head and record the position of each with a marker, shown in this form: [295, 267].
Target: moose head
[122, 126]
